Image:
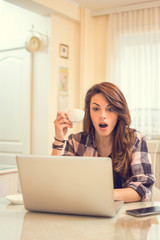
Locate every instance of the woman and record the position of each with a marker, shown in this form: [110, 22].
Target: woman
[106, 133]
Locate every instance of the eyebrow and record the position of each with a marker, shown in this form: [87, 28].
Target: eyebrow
[99, 105]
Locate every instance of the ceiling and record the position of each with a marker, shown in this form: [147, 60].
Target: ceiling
[104, 4]
[98, 6]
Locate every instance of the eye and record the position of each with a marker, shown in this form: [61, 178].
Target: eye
[110, 109]
[95, 109]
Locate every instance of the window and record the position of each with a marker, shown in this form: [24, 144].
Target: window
[135, 68]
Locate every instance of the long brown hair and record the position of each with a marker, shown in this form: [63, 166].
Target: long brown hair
[123, 135]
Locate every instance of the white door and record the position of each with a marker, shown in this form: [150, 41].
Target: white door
[15, 99]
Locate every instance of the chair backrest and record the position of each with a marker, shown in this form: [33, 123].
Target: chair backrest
[154, 150]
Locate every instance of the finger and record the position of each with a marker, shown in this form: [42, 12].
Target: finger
[63, 121]
[67, 125]
[61, 115]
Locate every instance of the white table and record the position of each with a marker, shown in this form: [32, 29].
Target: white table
[18, 224]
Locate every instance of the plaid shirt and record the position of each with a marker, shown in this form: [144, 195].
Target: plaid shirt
[141, 177]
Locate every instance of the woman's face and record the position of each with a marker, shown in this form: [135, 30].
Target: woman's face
[103, 115]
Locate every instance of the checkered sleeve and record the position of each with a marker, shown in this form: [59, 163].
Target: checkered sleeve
[75, 145]
[142, 178]
[69, 147]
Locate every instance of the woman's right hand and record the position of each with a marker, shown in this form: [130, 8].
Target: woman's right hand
[62, 123]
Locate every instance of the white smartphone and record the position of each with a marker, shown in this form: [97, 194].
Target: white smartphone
[140, 212]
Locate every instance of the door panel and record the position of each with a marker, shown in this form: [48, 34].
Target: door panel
[15, 99]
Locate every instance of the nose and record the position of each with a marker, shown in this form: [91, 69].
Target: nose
[103, 114]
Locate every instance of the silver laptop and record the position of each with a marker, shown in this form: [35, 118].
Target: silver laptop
[68, 185]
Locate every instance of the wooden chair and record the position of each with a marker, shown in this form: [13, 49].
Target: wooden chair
[154, 150]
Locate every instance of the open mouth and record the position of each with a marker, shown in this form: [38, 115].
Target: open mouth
[103, 125]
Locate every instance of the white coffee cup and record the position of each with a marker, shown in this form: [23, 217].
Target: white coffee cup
[75, 115]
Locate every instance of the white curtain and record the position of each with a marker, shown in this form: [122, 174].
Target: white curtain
[133, 63]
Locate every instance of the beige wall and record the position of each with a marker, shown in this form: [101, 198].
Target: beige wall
[67, 32]
[86, 63]
[61, 7]
[93, 51]
[86, 35]
[100, 48]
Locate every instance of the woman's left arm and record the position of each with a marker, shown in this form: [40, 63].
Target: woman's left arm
[126, 195]
[139, 184]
